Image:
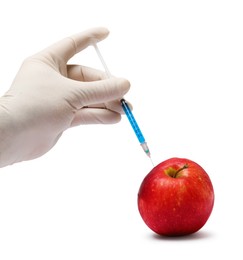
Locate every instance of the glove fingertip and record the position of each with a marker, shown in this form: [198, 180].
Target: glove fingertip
[124, 85]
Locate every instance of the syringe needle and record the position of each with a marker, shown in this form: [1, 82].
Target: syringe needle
[127, 110]
[151, 160]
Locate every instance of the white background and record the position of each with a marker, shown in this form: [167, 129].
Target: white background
[184, 60]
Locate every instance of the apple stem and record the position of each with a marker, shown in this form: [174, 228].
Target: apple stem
[180, 169]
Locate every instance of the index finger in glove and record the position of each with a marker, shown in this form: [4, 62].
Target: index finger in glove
[68, 47]
[97, 92]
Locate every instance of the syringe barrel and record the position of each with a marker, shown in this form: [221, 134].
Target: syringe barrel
[132, 121]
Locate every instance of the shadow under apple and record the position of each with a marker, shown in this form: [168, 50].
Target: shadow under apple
[194, 236]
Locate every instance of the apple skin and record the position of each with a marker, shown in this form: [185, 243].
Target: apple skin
[176, 197]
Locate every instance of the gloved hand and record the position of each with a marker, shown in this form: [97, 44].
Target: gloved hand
[48, 96]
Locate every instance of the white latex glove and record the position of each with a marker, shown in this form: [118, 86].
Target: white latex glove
[48, 96]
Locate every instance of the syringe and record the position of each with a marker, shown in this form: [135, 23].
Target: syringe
[127, 111]
[135, 127]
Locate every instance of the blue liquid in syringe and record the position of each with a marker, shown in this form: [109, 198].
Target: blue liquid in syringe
[132, 121]
[135, 126]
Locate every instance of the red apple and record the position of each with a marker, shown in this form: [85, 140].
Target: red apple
[176, 197]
